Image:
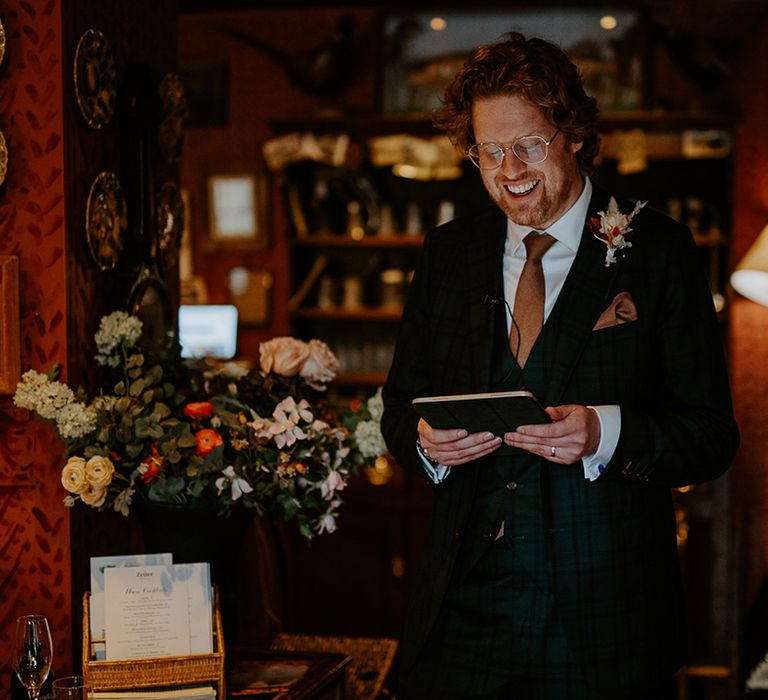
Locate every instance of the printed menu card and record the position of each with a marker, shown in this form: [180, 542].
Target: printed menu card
[156, 611]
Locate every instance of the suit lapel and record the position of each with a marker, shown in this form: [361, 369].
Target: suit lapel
[483, 282]
[584, 296]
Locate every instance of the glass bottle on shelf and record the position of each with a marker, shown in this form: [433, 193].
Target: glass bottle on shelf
[355, 226]
[321, 208]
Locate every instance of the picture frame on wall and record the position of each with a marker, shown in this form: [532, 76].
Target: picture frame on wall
[250, 290]
[237, 210]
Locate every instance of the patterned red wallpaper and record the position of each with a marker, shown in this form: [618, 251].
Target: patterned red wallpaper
[34, 527]
[54, 157]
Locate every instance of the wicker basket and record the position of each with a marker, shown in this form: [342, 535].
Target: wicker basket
[162, 671]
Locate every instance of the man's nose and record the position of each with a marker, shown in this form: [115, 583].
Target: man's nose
[512, 167]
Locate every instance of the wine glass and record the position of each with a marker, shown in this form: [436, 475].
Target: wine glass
[72, 688]
[32, 652]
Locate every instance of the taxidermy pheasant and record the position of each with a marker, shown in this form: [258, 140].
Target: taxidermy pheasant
[323, 70]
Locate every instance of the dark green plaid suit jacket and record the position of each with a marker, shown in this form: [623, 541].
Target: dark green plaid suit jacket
[615, 569]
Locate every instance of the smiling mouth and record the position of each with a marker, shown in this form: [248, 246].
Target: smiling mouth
[523, 189]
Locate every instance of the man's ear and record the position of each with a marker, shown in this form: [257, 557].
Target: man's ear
[576, 146]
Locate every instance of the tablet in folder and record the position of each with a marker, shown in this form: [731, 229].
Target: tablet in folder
[496, 412]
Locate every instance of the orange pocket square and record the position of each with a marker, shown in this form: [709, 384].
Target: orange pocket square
[621, 310]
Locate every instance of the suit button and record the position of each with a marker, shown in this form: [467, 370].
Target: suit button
[488, 535]
[511, 486]
[456, 534]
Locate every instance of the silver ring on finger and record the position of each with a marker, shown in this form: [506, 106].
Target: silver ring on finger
[553, 451]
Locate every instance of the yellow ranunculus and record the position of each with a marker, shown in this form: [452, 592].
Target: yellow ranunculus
[93, 496]
[73, 475]
[99, 471]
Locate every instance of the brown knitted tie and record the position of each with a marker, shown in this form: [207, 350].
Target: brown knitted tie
[528, 314]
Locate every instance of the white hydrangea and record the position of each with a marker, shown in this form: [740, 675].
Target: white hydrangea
[51, 399]
[369, 438]
[75, 421]
[30, 390]
[376, 406]
[58, 397]
[115, 329]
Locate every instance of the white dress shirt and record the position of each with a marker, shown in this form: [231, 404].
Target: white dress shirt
[556, 264]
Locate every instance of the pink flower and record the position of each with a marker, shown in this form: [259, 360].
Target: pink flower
[320, 366]
[284, 355]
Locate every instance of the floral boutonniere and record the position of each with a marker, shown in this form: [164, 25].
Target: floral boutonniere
[612, 228]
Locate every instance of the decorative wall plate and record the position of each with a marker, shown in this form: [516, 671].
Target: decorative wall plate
[175, 111]
[150, 302]
[2, 42]
[106, 218]
[95, 79]
[3, 158]
[170, 225]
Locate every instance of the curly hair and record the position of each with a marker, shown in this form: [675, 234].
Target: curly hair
[534, 69]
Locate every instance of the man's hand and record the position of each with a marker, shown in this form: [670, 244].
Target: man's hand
[453, 447]
[573, 434]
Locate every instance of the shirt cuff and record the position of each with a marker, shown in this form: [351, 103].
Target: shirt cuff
[436, 472]
[610, 429]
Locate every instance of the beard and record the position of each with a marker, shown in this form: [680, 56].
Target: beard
[543, 205]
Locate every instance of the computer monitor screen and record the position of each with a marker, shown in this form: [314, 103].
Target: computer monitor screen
[208, 331]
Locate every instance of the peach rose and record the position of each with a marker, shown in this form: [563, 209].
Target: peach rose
[284, 355]
[320, 366]
[93, 496]
[99, 471]
[73, 475]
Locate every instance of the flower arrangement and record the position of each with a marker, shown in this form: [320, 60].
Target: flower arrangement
[188, 433]
[612, 228]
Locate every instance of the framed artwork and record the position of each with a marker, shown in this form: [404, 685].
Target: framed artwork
[424, 51]
[236, 210]
[10, 341]
[251, 292]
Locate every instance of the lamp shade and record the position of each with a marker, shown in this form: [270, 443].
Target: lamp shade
[750, 278]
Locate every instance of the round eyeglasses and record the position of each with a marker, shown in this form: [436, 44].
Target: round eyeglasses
[528, 149]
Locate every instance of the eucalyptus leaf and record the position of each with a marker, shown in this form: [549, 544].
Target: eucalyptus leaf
[187, 441]
[161, 411]
[134, 449]
[136, 387]
[141, 426]
[154, 375]
[155, 431]
[166, 489]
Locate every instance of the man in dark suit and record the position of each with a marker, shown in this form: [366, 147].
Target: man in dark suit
[552, 572]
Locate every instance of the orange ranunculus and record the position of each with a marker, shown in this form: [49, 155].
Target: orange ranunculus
[152, 466]
[354, 405]
[198, 409]
[207, 439]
